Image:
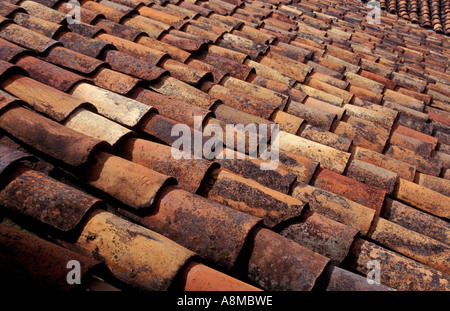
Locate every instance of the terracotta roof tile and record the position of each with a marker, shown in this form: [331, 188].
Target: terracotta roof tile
[10, 158]
[174, 52]
[47, 100]
[119, 30]
[312, 114]
[106, 165]
[330, 158]
[323, 228]
[234, 68]
[27, 38]
[59, 213]
[196, 8]
[114, 81]
[326, 138]
[152, 28]
[189, 172]
[134, 49]
[430, 225]
[198, 277]
[110, 13]
[98, 236]
[242, 101]
[97, 126]
[297, 258]
[43, 27]
[77, 147]
[160, 128]
[171, 108]
[279, 87]
[7, 69]
[415, 124]
[112, 105]
[347, 212]
[256, 91]
[73, 60]
[271, 205]
[8, 9]
[214, 217]
[86, 16]
[161, 17]
[45, 72]
[130, 65]
[434, 183]
[42, 11]
[361, 251]
[86, 46]
[372, 175]
[20, 248]
[177, 89]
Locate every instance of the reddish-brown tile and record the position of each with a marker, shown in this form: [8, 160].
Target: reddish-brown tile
[171, 108]
[221, 229]
[251, 197]
[27, 38]
[46, 72]
[363, 251]
[416, 220]
[61, 143]
[350, 188]
[315, 231]
[45, 99]
[198, 277]
[119, 241]
[73, 60]
[300, 266]
[188, 172]
[20, 266]
[134, 49]
[130, 65]
[59, 213]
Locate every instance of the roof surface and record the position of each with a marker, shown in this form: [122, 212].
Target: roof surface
[87, 109]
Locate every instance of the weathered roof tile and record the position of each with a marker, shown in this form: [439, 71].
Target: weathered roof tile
[43, 27]
[46, 73]
[407, 217]
[199, 219]
[44, 12]
[20, 264]
[134, 49]
[100, 237]
[177, 110]
[110, 13]
[301, 266]
[122, 179]
[130, 65]
[255, 199]
[73, 60]
[188, 172]
[119, 108]
[61, 143]
[24, 194]
[45, 99]
[27, 38]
